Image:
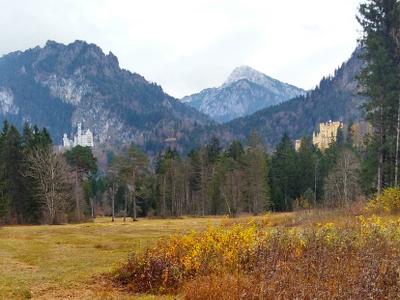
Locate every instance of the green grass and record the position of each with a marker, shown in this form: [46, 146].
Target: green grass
[47, 262]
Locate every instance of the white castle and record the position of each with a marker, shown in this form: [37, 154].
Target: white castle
[84, 139]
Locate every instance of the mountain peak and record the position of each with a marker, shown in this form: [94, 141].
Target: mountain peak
[244, 72]
[245, 91]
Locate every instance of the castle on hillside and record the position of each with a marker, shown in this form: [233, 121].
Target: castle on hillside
[327, 134]
[84, 139]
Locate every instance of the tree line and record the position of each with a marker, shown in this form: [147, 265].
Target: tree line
[40, 184]
[238, 178]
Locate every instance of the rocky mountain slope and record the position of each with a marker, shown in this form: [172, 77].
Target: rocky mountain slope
[58, 85]
[335, 98]
[243, 93]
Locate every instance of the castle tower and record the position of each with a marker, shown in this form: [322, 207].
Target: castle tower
[79, 129]
[297, 145]
[89, 138]
[66, 141]
[79, 134]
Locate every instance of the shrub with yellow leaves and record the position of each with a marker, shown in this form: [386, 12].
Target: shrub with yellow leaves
[388, 202]
[251, 261]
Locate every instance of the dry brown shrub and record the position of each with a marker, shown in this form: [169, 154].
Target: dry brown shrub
[223, 287]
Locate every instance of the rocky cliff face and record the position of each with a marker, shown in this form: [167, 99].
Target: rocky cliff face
[243, 93]
[59, 85]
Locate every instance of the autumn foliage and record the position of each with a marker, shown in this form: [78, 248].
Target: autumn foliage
[388, 202]
[253, 261]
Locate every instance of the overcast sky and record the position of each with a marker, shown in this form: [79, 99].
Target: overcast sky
[187, 45]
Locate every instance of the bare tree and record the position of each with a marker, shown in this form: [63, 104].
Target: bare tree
[341, 185]
[130, 166]
[112, 174]
[50, 172]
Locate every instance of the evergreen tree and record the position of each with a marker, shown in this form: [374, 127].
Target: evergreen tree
[256, 175]
[83, 162]
[11, 157]
[308, 168]
[380, 82]
[284, 175]
[33, 141]
[350, 134]
[132, 166]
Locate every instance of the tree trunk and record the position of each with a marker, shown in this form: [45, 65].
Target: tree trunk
[345, 185]
[78, 209]
[113, 202]
[134, 193]
[163, 195]
[396, 38]
[396, 170]
[125, 206]
[92, 207]
[203, 189]
[380, 153]
[134, 209]
[315, 183]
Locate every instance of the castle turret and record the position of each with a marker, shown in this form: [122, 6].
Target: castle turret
[79, 129]
[66, 141]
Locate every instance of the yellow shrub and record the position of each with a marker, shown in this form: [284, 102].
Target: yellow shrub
[388, 202]
[250, 261]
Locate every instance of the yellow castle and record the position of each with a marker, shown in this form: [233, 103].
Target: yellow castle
[327, 134]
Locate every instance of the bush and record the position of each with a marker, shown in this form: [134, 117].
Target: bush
[388, 202]
[250, 261]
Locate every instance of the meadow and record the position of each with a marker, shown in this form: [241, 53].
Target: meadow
[65, 261]
[197, 258]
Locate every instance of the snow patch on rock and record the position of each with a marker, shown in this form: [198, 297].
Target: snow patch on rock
[7, 105]
[69, 90]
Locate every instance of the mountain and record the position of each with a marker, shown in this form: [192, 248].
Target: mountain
[243, 93]
[335, 98]
[58, 85]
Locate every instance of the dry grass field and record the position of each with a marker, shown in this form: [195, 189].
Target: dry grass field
[63, 261]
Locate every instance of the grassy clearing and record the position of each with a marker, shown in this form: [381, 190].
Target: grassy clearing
[48, 262]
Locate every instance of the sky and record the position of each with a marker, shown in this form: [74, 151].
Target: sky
[185, 45]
